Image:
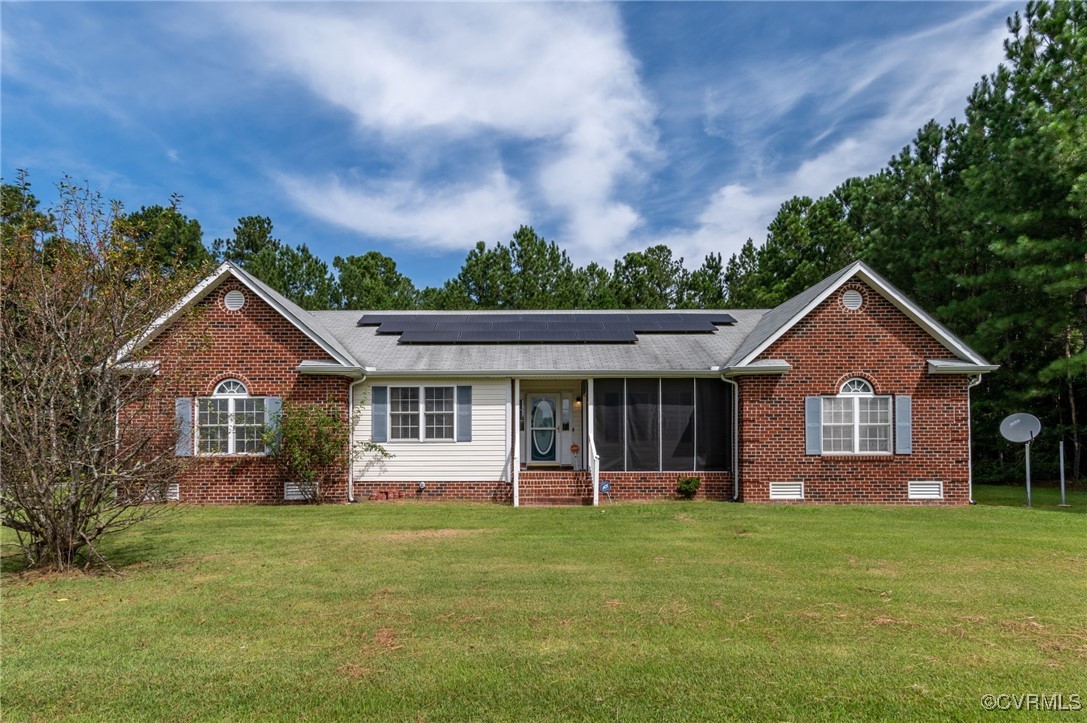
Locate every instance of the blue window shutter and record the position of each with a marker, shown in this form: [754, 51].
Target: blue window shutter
[379, 414]
[904, 424]
[273, 410]
[183, 447]
[813, 425]
[464, 414]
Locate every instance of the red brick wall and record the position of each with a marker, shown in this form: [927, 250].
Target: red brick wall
[832, 344]
[261, 348]
[662, 485]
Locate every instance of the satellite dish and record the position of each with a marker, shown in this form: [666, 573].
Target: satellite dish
[1020, 427]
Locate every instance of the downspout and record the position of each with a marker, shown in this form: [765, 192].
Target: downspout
[516, 442]
[735, 437]
[974, 380]
[351, 421]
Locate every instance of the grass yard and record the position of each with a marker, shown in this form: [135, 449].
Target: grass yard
[670, 611]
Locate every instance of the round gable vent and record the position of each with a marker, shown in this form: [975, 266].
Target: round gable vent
[234, 300]
[852, 299]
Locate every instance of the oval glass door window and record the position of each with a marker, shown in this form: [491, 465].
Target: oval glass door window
[543, 429]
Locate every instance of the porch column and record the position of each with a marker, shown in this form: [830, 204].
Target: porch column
[590, 453]
[516, 422]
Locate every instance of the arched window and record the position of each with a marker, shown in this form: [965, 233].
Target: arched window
[856, 421]
[230, 421]
[857, 386]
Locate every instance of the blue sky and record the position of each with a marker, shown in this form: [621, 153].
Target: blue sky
[419, 129]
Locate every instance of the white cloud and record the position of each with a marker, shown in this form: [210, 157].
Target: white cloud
[909, 80]
[557, 77]
[445, 218]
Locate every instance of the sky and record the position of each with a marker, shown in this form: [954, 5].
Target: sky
[418, 129]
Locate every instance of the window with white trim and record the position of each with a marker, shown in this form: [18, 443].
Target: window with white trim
[438, 412]
[433, 419]
[230, 421]
[856, 421]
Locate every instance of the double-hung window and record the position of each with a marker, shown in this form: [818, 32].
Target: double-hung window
[230, 421]
[856, 421]
[422, 413]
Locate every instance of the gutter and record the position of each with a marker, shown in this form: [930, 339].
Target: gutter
[351, 421]
[530, 374]
[735, 434]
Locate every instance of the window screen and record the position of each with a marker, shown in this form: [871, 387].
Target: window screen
[677, 424]
[608, 422]
[643, 424]
[714, 446]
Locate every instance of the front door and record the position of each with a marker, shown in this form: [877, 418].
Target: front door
[543, 428]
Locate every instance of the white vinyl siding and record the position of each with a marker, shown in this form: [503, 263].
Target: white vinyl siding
[483, 459]
[926, 490]
[786, 490]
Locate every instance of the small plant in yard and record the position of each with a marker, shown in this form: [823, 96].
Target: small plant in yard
[688, 487]
[311, 443]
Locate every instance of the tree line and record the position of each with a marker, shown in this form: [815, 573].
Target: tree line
[980, 221]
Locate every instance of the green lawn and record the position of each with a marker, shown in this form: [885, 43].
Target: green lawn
[670, 611]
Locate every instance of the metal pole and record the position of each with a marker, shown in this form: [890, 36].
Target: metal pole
[1064, 502]
[1028, 474]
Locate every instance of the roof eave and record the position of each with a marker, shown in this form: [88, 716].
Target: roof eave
[767, 366]
[332, 369]
[540, 373]
[946, 366]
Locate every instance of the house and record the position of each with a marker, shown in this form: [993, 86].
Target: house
[846, 393]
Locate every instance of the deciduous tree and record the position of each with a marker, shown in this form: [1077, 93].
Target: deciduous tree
[81, 455]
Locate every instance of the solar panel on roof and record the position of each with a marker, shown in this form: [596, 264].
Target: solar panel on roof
[674, 327]
[607, 335]
[519, 325]
[542, 327]
[541, 335]
[486, 336]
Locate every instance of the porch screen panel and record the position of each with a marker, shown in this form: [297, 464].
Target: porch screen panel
[608, 422]
[677, 424]
[714, 443]
[643, 425]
